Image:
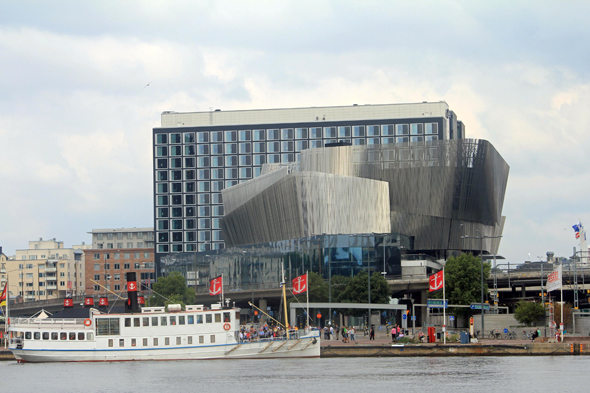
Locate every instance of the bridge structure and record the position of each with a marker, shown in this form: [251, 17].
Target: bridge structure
[506, 287]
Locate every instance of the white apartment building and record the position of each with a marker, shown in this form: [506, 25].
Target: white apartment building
[45, 270]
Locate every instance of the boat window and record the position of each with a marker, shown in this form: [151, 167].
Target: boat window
[28, 335]
[217, 318]
[121, 342]
[89, 336]
[201, 339]
[136, 322]
[225, 317]
[199, 319]
[167, 341]
[63, 336]
[191, 319]
[110, 342]
[145, 342]
[154, 321]
[54, 335]
[72, 335]
[172, 320]
[163, 321]
[155, 342]
[208, 318]
[190, 339]
[181, 319]
[133, 344]
[212, 338]
[81, 336]
[45, 335]
[107, 326]
[146, 321]
[37, 335]
[127, 322]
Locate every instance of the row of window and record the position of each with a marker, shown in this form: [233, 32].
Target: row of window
[202, 223]
[189, 236]
[189, 223]
[126, 255]
[155, 341]
[298, 133]
[190, 247]
[35, 257]
[213, 186]
[121, 235]
[117, 266]
[71, 336]
[119, 245]
[218, 149]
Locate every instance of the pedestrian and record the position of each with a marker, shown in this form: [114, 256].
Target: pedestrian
[372, 333]
[393, 331]
[337, 332]
[352, 334]
[331, 332]
[398, 331]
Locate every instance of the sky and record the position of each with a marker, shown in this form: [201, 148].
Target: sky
[76, 117]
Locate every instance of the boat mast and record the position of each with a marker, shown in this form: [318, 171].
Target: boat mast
[284, 297]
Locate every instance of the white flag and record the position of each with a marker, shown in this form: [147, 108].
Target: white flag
[554, 279]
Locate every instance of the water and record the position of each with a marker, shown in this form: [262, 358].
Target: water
[415, 374]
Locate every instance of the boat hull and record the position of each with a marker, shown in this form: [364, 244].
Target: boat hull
[305, 347]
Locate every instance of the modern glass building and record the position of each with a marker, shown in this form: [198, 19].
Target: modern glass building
[199, 154]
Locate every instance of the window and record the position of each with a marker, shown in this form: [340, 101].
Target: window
[110, 342]
[272, 135]
[154, 321]
[107, 326]
[201, 339]
[301, 133]
[373, 130]
[259, 135]
[145, 342]
[96, 266]
[344, 132]
[217, 318]
[416, 129]
[190, 339]
[287, 133]
[167, 341]
[163, 321]
[172, 320]
[181, 319]
[96, 277]
[244, 135]
[81, 336]
[96, 256]
[178, 341]
[200, 318]
[136, 322]
[329, 132]
[402, 129]
[212, 338]
[431, 128]
[208, 318]
[190, 319]
[155, 342]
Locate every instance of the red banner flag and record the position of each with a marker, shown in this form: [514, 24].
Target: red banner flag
[300, 284]
[132, 286]
[215, 285]
[437, 281]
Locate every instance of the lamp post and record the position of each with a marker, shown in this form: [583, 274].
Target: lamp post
[480, 237]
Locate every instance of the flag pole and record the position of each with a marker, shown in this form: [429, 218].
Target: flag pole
[307, 284]
[222, 294]
[444, 309]
[561, 324]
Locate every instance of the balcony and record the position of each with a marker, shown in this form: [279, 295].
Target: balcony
[49, 287]
[2, 270]
[50, 269]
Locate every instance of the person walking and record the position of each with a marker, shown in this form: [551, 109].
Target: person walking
[393, 333]
[372, 333]
[352, 334]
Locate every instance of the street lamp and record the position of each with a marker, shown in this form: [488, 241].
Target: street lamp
[480, 237]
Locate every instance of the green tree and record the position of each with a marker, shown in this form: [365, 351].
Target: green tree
[463, 281]
[357, 291]
[174, 289]
[528, 313]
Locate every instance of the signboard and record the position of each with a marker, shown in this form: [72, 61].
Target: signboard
[477, 306]
[404, 316]
[437, 303]
[451, 318]
[413, 317]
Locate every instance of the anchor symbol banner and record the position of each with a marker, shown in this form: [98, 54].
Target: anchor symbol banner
[300, 284]
[436, 282]
[215, 286]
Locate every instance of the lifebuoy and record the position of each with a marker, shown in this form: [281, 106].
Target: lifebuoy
[226, 326]
[87, 322]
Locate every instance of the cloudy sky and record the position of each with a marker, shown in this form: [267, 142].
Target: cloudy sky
[76, 117]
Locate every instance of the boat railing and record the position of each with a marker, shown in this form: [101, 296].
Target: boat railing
[46, 322]
[293, 335]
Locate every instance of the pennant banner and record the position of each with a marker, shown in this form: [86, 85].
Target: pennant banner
[300, 284]
[215, 286]
[3, 296]
[554, 279]
[437, 281]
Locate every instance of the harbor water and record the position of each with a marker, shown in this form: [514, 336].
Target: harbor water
[413, 374]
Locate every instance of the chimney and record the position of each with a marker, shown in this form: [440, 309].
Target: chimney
[132, 306]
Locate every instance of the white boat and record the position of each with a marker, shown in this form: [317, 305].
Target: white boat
[152, 334]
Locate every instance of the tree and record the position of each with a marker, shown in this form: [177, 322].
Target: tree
[318, 290]
[463, 281]
[528, 313]
[357, 291]
[174, 289]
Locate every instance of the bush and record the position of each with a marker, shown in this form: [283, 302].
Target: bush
[528, 313]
